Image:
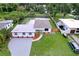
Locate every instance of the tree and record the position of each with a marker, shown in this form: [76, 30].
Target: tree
[53, 9]
[2, 39]
[75, 9]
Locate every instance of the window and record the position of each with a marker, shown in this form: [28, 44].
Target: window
[46, 29]
[77, 28]
[77, 31]
[61, 27]
[72, 31]
[15, 33]
[30, 33]
[23, 33]
[37, 30]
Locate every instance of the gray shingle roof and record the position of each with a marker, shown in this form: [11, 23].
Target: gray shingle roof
[4, 23]
[2, 26]
[42, 24]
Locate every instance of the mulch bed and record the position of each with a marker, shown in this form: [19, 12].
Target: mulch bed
[37, 34]
[55, 30]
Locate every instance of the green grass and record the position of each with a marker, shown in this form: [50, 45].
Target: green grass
[26, 20]
[4, 51]
[52, 23]
[77, 35]
[60, 15]
[52, 45]
[38, 14]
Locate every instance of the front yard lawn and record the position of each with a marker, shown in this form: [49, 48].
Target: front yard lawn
[52, 45]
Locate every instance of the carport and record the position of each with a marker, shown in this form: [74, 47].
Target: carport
[20, 46]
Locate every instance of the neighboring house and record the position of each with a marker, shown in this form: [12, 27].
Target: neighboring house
[68, 26]
[6, 24]
[28, 30]
[42, 25]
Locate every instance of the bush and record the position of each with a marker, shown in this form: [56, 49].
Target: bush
[16, 16]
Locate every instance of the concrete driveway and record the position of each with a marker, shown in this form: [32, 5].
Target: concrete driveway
[20, 46]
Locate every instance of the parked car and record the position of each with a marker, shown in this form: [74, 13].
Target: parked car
[74, 46]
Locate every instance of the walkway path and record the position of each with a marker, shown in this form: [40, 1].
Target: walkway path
[20, 47]
[38, 38]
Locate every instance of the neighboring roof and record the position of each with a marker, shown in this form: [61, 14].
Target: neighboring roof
[42, 23]
[2, 26]
[6, 21]
[71, 23]
[24, 27]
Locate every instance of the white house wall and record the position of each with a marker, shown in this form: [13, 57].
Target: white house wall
[21, 35]
[75, 30]
[43, 29]
[67, 31]
[9, 25]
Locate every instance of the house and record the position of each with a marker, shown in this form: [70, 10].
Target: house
[29, 30]
[68, 26]
[24, 30]
[42, 25]
[6, 24]
[24, 34]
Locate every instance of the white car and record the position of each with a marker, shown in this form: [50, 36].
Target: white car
[74, 46]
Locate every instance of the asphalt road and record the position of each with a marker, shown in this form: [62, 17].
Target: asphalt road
[20, 46]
